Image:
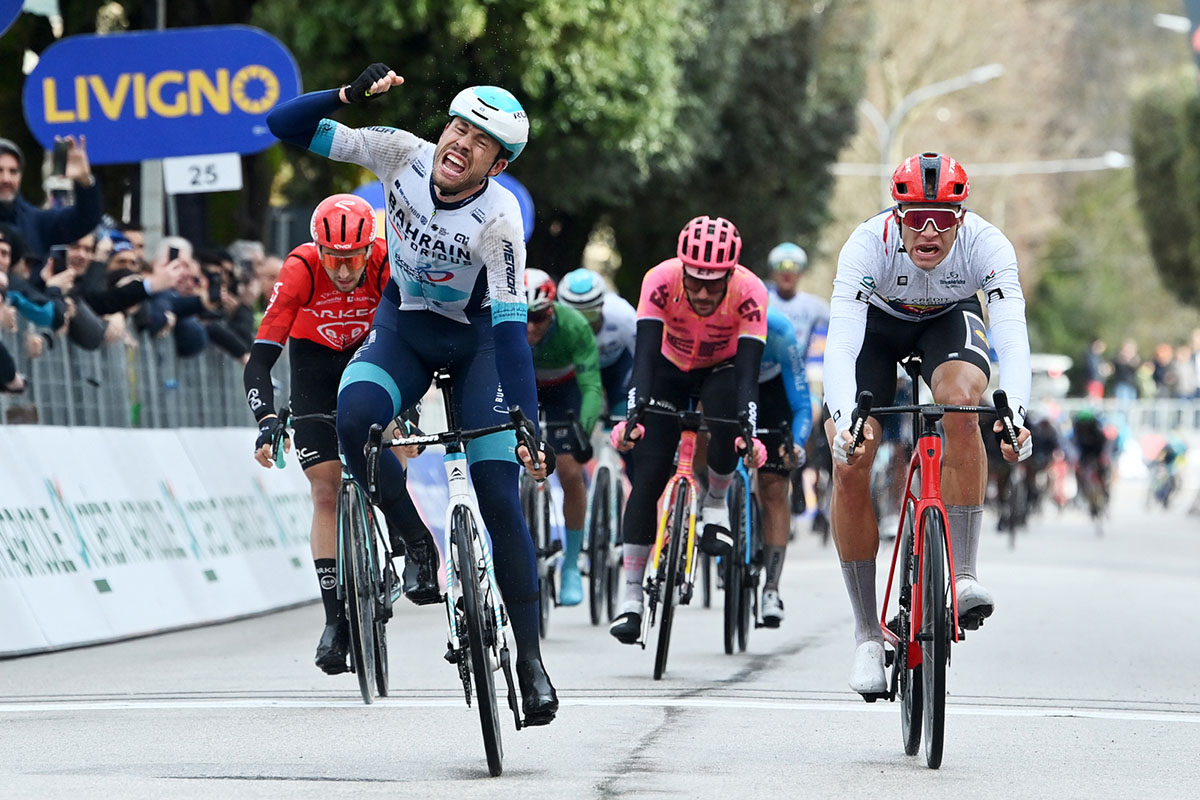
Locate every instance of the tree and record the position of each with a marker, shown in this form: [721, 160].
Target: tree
[1166, 149]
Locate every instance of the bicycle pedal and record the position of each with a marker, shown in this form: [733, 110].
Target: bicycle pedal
[871, 697]
[452, 656]
[889, 657]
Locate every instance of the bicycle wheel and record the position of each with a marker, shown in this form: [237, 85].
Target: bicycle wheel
[671, 574]
[481, 636]
[598, 545]
[545, 570]
[732, 565]
[706, 581]
[907, 681]
[357, 586]
[382, 579]
[749, 602]
[935, 634]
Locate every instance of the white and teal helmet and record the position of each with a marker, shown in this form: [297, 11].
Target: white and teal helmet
[582, 289]
[787, 257]
[497, 113]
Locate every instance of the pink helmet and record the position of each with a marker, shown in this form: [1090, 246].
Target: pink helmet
[709, 247]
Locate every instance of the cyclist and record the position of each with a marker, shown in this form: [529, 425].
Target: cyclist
[701, 329]
[613, 321]
[322, 306]
[906, 280]
[787, 263]
[568, 382]
[455, 301]
[1094, 450]
[783, 400]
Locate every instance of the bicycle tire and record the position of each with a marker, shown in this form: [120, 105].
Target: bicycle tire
[672, 570]
[356, 587]
[382, 587]
[908, 680]
[616, 572]
[598, 545]
[935, 634]
[546, 576]
[749, 602]
[732, 564]
[480, 624]
[706, 587]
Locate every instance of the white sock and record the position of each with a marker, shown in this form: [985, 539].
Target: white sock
[860, 584]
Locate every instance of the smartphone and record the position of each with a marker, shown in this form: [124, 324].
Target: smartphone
[60, 157]
[172, 254]
[59, 255]
[214, 286]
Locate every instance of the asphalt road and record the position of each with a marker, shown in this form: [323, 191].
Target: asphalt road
[1083, 684]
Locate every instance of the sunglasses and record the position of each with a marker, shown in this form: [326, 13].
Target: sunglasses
[538, 317]
[917, 218]
[788, 266]
[713, 287]
[331, 259]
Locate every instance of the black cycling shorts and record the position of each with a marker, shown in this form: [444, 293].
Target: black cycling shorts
[774, 411]
[316, 372]
[959, 334]
[559, 402]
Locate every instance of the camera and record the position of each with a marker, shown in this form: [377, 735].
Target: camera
[172, 254]
[214, 285]
[59, 254]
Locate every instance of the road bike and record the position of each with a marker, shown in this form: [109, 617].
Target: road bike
[670, 579]
[926, 621]
[366, 578]
[475, 614]
[605, 507]
[536, 504]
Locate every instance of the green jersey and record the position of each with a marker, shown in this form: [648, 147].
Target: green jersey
[569, 350]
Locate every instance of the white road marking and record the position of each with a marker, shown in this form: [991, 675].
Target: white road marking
[401, 704]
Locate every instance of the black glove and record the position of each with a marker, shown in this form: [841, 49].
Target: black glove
[547, 456]
[357, 92]
[268, 429]
[585, 454]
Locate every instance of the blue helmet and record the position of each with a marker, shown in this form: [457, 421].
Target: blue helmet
[496, 112]
[582, 289]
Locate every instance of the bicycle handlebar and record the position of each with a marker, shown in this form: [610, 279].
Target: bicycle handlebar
[1000, 409]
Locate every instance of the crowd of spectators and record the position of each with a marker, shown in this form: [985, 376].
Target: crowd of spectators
[1169, 371]
[71, 272]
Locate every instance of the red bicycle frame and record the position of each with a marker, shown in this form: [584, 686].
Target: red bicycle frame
[926, 457]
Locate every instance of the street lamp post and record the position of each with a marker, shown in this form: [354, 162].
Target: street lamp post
[886, 129]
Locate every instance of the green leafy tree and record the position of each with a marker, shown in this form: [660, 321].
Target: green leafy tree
[1166, 149]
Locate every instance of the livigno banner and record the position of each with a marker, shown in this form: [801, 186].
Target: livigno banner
[157, 94]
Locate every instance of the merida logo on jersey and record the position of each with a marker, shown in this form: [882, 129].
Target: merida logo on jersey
[510, 267]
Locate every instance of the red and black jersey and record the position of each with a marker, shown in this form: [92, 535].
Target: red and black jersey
[306, 305]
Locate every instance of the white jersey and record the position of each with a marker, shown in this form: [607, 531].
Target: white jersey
[806, 312]
[617, 331]
[874, 269]
[456, 259]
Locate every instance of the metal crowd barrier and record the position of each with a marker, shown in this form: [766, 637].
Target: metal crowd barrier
[145, 385]
[1149, 414]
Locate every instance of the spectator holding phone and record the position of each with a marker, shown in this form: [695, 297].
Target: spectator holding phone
[43, 228]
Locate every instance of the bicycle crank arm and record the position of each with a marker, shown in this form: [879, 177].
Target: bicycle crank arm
[513, 703]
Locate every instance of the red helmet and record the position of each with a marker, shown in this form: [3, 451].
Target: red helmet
[343, 222]
[709, 247]
[930, 178]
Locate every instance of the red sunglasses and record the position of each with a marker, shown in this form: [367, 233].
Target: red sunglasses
[917, 218]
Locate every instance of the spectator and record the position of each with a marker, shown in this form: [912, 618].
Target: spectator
[1166, 379]
[42, 229]
[1096, 369]
[43, 309]
[1125, 371]
[136, 237]
[178, 310]
[232, 325]
[1185, 370]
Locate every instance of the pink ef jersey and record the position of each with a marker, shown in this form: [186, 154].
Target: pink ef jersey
[694, 342]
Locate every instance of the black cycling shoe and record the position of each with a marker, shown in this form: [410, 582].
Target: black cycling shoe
[716, 540]
[539, 701]
[396, 542]
[421, 573]
[332, 649]
[627, 627]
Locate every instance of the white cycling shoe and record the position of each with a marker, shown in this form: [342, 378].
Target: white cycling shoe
[868, 677]
[772, 608]
[975, 603]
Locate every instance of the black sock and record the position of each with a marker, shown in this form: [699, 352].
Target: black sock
[327, 578]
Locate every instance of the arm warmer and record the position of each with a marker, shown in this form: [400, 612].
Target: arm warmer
[746, 363]
[647, 345]
[257, 378]
[296, 121]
